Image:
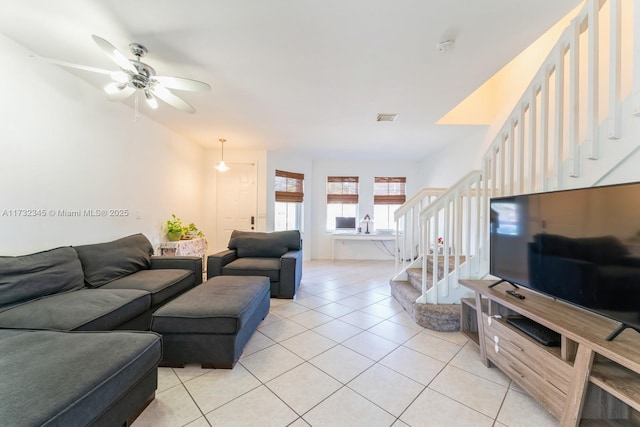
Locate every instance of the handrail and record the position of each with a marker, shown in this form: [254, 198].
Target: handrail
[416, 198]
[440, 201]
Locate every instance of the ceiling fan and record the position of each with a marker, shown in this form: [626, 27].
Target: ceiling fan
[135, 76]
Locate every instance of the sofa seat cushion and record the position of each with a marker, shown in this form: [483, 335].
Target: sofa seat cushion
[268, 267]
[105, 262]
[221, 305]
[161, 284]
[81, 310]
[28, 277]
[42, 382]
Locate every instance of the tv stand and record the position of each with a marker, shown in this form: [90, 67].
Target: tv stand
[501, 281]
[585, 379]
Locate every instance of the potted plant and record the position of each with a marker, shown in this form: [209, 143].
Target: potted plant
[174, 228]
[192, 231]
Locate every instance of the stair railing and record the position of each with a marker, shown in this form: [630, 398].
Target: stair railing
[450, 227]
[407, 220]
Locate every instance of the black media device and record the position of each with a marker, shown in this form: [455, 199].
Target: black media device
[515, 294]
[345, 223]
[540, 333]
[580, 246]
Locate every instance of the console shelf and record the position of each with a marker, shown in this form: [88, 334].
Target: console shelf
[586, 380]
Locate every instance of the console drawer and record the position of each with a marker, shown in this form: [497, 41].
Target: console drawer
[538, 388]
[533, 366]
[538, 358]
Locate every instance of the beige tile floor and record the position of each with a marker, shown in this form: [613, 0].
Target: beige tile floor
[344, 353]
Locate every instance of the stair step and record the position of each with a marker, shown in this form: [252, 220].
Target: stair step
[415, 278]
[438, 317]
[415, 274]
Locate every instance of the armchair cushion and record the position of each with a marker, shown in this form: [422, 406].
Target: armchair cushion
[105, 262]
[268, 267]
[264, 245]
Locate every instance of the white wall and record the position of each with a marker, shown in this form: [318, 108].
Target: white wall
[65, 147]
[366, 171]
[446, 166]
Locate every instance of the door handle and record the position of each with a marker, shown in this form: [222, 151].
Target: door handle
[253, 221]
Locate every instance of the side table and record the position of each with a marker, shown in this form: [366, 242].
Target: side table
[191, 247]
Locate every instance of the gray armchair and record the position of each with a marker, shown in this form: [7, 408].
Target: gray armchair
[276, 255]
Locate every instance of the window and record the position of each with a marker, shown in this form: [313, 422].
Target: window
[289, 197]
[342, 198]
[388, 195]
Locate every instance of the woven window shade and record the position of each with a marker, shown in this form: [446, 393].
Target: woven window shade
[389, 191]
[342, 189]
[289, 187]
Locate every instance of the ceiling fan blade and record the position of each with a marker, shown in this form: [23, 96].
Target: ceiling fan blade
[121, 95]
[114, 54]
[180, 83]
[171, 99]
[71, 65]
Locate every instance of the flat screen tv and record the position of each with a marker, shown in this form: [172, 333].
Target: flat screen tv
[581, 246]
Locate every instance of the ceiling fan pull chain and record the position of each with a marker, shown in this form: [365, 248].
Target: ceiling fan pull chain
[136, 115]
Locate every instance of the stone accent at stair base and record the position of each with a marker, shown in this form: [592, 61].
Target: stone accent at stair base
[438, 317]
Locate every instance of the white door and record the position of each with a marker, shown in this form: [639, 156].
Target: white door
[237, 195]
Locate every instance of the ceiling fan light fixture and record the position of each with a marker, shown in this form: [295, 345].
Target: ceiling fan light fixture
[151, 100]
[134, 76]
[222, 166]
[114, 87]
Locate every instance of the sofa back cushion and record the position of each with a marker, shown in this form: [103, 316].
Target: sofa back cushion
[105, 262]
[27, 277]
[264, 245]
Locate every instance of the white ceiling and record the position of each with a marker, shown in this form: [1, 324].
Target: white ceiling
[303, 75]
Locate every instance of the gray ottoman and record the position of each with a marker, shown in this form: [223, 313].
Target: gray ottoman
[211, 323]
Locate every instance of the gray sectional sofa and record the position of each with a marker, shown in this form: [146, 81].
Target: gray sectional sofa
[68, 377]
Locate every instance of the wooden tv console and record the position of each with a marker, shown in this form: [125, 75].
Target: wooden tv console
[585, 381]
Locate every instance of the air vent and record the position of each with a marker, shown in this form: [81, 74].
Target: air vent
[386, 117]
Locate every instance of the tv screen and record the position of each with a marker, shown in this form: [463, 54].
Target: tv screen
[345, 223]
[581, 246]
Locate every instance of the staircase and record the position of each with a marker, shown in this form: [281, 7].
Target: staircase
[575, 124]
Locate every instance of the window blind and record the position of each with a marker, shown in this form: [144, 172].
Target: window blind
[389, 190]
[342, 189]
[289, 187]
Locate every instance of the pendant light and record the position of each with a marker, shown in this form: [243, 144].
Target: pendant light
[222, 167]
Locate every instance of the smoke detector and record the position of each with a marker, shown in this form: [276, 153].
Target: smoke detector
[386, 117]
[445, 45]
